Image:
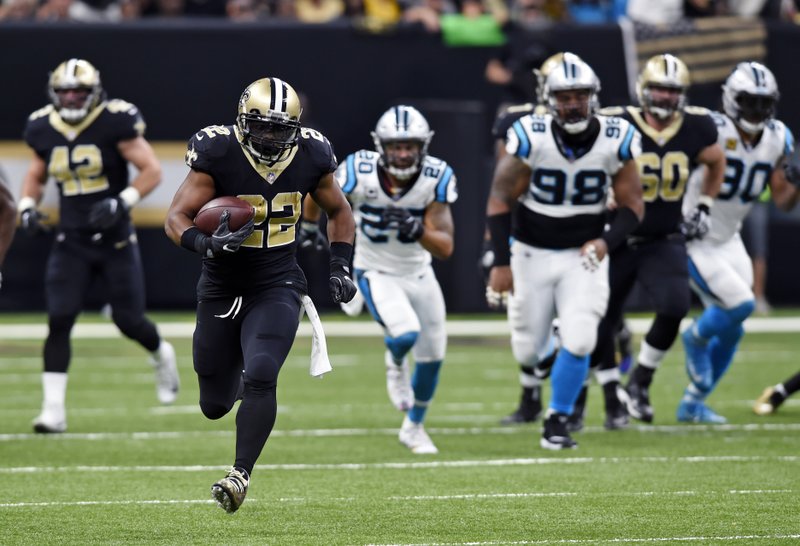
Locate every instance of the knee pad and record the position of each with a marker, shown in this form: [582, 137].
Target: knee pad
[579, 336]
[716, 320]
[400, 345]
[213, 411]
[261, 374]
[254, 387]
[663, 331]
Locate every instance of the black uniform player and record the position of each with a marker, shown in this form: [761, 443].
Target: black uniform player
[251, 289]
[675, 140]
[85, 142]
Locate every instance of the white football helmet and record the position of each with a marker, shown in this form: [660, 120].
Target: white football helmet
[750, 95]
[75, 74]
[401, 124]
[570, 75]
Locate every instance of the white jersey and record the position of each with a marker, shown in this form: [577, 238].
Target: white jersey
[747, 174]
[377, 246]
[565, 204]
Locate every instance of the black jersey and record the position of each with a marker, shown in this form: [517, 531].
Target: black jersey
[267, 257]
[508, 116]
[84, 159]
[668, 157]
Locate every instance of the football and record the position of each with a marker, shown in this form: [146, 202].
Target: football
[207, 219]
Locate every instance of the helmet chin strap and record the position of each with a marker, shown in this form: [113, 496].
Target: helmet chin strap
[749, 127]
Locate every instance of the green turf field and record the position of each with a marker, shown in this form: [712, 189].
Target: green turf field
[129, 471]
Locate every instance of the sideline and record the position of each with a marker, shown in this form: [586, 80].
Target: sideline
[455, 328]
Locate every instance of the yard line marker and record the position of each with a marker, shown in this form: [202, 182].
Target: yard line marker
[622, 540]
[455, 328]
[478, 496]
[530, 461]
[339, 432]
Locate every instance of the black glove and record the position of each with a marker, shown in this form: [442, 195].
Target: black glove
[310, 236]
[792, 173]
[342, 287]
[404, 221]
[223, 240]
[31, 221]
[697, 224]
[107, 212]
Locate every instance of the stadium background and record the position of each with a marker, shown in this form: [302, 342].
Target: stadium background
[186, 75]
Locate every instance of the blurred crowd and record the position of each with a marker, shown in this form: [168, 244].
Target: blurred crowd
[383, 14]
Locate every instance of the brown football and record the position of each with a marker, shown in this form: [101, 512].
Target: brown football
[207, 219]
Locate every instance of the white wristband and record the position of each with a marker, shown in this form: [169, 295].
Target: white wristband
[130, 196]
[26, 203]
[706, 200]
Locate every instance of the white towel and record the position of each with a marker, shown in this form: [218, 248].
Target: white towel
[320, 364]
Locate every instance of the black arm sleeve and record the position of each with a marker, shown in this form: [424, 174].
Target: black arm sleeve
[500, 230]
[623, 224]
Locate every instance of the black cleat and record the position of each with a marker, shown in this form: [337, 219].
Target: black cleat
[555, 435]
[636, 400]
[530, 407]
[616, 414]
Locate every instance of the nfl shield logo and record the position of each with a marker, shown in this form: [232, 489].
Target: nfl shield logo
[271, 178]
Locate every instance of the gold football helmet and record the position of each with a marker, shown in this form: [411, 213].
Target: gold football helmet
[269, 119]
[663, 71]
[78, 75]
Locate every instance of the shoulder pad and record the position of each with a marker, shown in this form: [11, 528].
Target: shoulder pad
[119, 106]
[208, 143]
[41, 112]
[611, 111]
[318, 147]
[697, 110]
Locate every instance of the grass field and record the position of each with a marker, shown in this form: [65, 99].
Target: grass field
[129, 471]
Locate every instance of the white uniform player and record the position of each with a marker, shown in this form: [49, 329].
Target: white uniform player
[558, 172]
[401, 202]
[756, 146]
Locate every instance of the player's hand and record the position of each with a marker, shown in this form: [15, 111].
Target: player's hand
[107, 212]
[697, 224]
[792, 173]
[309, 236]
[404, 221]
[341, 286]
[31, 221]
[500, 285]
[223, 240]
[592, 253]
[486, 260]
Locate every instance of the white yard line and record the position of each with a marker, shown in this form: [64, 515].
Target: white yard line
[532, 461]
[339, 432]
[455, 328]
[620, 540]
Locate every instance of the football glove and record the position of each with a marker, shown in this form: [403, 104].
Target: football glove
[341, 286]
[107, 212]
[31, 221]
[496, 300]
[697, 224]
[309, 236]
[223, 240]
[792, 173]
[404, 221]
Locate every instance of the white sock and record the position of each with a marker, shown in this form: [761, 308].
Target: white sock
[650, 357]
[54, 385]
[607, 376]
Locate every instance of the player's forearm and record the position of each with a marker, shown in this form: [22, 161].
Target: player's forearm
[715, 175]
[8, 222]
[176, 223]
[438, 243]
[341, 226]
[147, 180]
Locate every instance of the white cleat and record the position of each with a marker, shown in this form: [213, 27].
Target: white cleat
[413, 436]
[52, 420]
[398, 383]
[165, 365]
